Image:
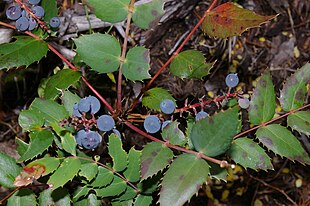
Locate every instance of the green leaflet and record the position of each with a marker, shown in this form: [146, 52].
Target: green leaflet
[300, 122]
[143, 200]
[132, 173]
[59, 196]
[30, 120]
[173, 134]
[22, 52]
[155, 157]
[282, 142]
[50, 8]
[8, 170]
[213, 135]
[117, 187]
[118, 154]
[154, 96]
[89, 170]
[293, 94]
[263, 101]
[23, 197]
[183, 179]
[67, 170]
[103, 178]
[249, 154]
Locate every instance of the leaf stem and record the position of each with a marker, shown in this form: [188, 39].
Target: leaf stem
[172, 57]
[271, 121]
[123, 57]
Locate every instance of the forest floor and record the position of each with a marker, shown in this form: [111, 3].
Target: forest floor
[280, 46]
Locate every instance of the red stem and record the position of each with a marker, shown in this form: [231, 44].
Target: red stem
[172, 57]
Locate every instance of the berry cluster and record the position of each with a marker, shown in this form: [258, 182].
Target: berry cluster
[85, 137]
[26, 21]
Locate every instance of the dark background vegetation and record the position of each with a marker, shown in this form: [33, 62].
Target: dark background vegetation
[281, 45]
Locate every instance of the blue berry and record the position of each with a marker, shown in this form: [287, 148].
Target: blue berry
[244, 103]
[91, 140]
[38, 11]
[105, 123]
[84, 105]
[94, 104]
[165, 124]
[152, 124]
[167, 106]
[32, 23]
[22, 24]
[79, 136]
[55, 22]
[76, 112]
[201, 115]
[232, 80]
[34, 2]
[13, 12]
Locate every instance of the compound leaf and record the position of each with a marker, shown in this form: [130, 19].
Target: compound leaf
[61, 80]
[293, 94]
[23, 197]
[22, 52]
[249, 154]
[300, 122]
[213, 135]
[39, 142]
[67, 170]
[230, 19]
[155, 157]
[282, 142]
[137, 64]
[118, 154]
[132, 173]
[183, 179]
[112, 11]
[154, 96]
[145, 15]
[263, 102]
[173, 134]
[8, 170]
[190, 64]
[100, 51]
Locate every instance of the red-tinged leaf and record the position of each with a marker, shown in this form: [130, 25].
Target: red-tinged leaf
[28, 174]
[230, 19]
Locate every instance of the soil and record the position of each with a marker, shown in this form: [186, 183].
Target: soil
[281, 46]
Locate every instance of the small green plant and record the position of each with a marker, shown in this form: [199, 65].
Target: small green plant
[65, 129]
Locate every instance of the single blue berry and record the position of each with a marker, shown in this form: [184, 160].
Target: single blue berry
[152, 124]
[105, 123]
[167, 106]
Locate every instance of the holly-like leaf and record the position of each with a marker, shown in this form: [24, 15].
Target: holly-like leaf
[100, 51]
[183, 179]
[145, 15]
[153, 97]
[8, 170]
[50, 164]
[263, 102]
[213, 135]
[248, 153]
[22, 52]
[21, 146]
[61, 80]
[80, 192]
[300, 122]
[173, 134]
[23, 197]
[132, 173]
[89, 170]
[129, 194]
[39, 142]
[115, 188]
[110, 10]
[67, 170]
[50, 9]
[30, 120]
[282, 142]
[28, 174]
[293, 94]
[68, 100]
[68, 142]
[230, 19]
[103, 178]
[137, 64]
[190, 64]
[155, 157]
[118, 154]
[49, 110]
[143, 200]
